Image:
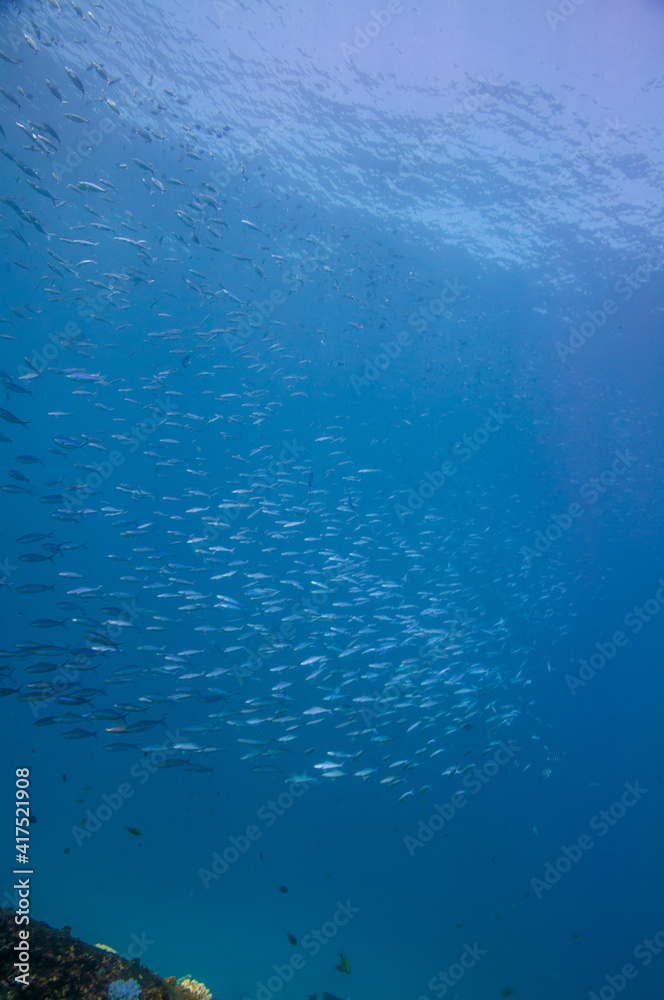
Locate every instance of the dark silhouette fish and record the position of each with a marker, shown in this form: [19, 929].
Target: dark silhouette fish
[11, 419]
[76, 80]
[322, 996]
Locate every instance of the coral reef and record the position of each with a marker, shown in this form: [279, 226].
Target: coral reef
[123, 989]
[64, 968]
[193, 987]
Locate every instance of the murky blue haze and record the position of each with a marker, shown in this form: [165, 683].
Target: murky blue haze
[337, 336]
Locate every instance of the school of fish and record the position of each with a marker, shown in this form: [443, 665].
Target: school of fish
[206, 546]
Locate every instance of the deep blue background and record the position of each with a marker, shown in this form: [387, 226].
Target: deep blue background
[512, 155]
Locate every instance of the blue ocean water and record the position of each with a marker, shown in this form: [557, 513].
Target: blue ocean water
[332, 371]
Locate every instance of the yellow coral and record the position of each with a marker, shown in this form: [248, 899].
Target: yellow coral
[196, 989]
[105, 947]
